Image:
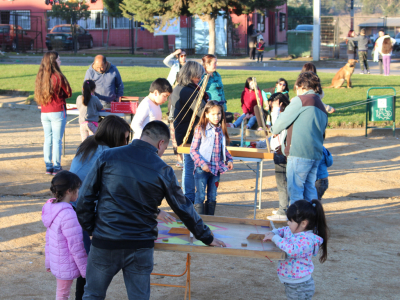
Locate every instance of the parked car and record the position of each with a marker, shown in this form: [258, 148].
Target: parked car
[8, 38]
[396, 47]
[305, 27]
[60, 36]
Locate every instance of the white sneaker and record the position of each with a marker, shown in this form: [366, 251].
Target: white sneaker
[274, 212]
[281, 218]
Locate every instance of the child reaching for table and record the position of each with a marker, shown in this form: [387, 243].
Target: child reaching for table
[65, 254]
[88, 105]
[248, 100]
[210, 155]
[305, 235]
[149, 109]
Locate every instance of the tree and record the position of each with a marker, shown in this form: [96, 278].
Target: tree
[207, 10]
[114, 11]
[70, 11]
[388, 8]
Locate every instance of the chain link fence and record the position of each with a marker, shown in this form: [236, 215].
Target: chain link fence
[20, 32]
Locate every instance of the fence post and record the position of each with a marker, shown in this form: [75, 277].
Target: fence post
[316, 29]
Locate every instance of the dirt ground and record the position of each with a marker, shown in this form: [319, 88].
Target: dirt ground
[362, 207]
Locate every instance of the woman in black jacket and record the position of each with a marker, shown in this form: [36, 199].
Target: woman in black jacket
[183, 100]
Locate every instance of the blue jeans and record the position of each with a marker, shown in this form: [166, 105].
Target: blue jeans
[250, 124]
[301, 175]
[205, 180]
[53, 126]
[104, 264]
[281, 183]
[188, 177]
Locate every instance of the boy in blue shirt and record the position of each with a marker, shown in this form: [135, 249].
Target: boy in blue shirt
[322, 182]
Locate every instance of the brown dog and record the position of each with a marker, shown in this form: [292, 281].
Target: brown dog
[344, 74]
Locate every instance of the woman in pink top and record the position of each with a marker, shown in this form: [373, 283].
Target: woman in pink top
[51, 90]
[65, 254]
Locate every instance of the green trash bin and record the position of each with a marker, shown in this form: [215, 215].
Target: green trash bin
[381, 108]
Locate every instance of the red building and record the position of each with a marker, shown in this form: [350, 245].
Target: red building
[35, 22]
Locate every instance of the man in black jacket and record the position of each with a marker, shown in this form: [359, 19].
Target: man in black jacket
[129, 183]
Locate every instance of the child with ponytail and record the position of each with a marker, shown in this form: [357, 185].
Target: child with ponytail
[306, 235]
[88, 105]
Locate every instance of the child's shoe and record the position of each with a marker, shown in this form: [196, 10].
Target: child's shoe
[55, 171]
[49, 171]
[282, 218]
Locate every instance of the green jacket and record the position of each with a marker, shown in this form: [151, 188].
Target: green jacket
[305, 119]
[215, 88]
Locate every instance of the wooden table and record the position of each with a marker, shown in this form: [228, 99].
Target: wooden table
[234, 232]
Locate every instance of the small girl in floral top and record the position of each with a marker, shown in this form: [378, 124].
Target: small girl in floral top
[301, 240]
[210, 155]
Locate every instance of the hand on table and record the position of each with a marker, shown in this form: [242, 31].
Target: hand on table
[166, 217]
[217, 243]
[268, 236]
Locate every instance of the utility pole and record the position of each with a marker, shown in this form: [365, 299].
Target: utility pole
[276, 33]
[316, 29]
[351, 14]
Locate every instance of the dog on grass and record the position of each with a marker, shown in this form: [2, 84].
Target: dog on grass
[344, 74]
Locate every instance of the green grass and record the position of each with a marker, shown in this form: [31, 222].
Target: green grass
[138, 79]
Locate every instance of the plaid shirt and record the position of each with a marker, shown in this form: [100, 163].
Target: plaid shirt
[216, 164]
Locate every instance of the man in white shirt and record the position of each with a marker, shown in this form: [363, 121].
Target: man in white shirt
[149, 109]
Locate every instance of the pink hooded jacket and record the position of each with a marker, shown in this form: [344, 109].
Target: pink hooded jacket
[65, 254]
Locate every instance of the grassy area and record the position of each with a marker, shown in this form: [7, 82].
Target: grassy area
[138, 79]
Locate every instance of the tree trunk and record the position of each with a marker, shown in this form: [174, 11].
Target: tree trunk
[166, 45]
[211, 30]
[108, 31]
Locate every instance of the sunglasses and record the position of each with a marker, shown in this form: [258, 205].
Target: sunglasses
[183, 55]
[282, 84]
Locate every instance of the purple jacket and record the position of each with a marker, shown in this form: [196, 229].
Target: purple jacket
[65, 255]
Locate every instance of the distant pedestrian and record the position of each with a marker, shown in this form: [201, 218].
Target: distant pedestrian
[260, 50]
[362, 42]
[252, 40]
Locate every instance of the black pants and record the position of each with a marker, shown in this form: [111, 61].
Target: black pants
[260, 55]
[252, 53]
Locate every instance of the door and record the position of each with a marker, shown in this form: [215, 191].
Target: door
[271, 28]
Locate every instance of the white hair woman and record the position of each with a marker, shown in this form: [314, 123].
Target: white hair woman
[183, 101]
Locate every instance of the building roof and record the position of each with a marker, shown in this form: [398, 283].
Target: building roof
[380, 22]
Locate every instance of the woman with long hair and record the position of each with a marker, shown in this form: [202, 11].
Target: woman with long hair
[183, 100]
[51, 90]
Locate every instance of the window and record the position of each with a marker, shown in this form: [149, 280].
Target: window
[282, 22]
[51, 22]
[121, 23]
[260, 22]
[22, 18]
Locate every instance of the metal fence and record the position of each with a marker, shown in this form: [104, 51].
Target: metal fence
[20, 32]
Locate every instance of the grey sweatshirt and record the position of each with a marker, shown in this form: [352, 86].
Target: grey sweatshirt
[89, 113]
[362, 42]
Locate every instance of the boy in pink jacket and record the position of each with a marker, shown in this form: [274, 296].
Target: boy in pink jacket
[65, 254]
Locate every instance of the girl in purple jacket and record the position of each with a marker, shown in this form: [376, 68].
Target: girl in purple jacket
[306, 235]
[65, 254]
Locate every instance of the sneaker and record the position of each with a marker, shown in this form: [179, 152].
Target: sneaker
[49, 171]
[274, 212]
[368, 72]
[281, 218]
[362, 73]
[55, 171]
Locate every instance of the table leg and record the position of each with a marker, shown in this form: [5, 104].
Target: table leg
[256, 189]
[64, 143]
[261, 180]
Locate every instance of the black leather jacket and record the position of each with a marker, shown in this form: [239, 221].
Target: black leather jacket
[129, 183]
